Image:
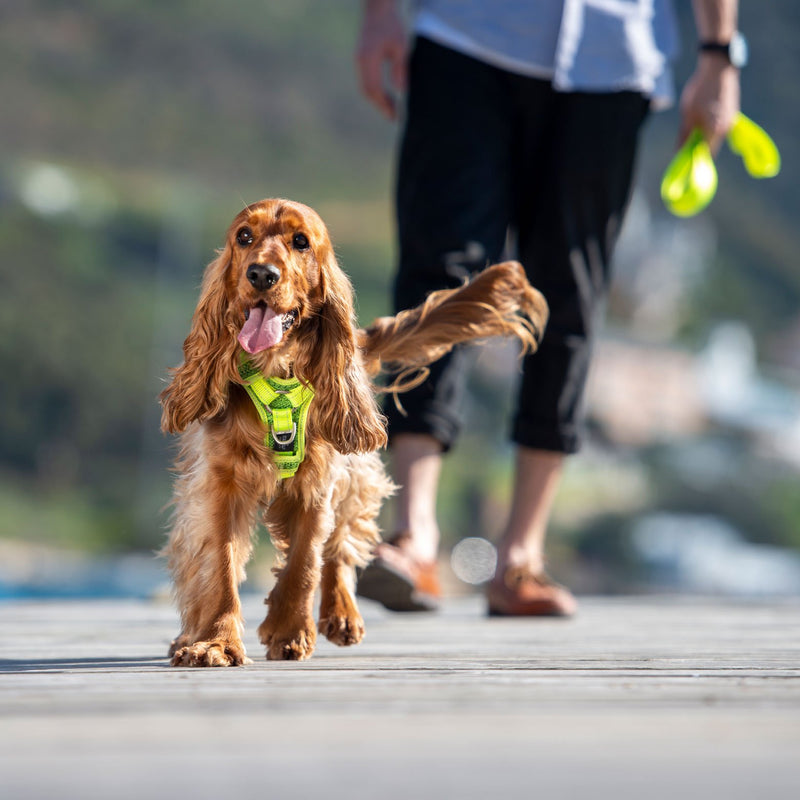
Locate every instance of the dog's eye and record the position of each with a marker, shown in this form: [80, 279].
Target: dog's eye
[244, 236]
[300, 241]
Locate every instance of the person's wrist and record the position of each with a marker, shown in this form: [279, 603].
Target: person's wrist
[714, 62]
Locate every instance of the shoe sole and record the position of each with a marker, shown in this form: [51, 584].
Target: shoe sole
[496, 612]
[392, 589]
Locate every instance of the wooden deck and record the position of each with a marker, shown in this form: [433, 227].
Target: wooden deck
[634, 698]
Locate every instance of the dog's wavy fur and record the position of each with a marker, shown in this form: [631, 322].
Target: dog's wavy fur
[322, 520]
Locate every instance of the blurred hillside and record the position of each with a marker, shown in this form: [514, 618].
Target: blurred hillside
[133, 131]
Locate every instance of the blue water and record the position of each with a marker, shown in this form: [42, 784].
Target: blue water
[133, 577]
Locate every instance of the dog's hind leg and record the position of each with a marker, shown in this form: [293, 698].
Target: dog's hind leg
[357, 499]
[339, 618]
[208, 548]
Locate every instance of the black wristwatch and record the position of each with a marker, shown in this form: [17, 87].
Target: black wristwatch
[735, 50]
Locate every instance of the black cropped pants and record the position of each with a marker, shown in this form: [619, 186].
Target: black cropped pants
[486, 152]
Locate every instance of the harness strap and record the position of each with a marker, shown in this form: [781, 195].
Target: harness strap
[282, 404]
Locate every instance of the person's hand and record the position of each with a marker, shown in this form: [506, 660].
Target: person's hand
[381, 54]
[710, 100]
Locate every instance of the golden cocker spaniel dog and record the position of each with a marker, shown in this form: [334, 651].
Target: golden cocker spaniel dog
[278, 418]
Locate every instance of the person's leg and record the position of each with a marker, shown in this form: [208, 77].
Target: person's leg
[453, 208]
[536, 479]
[521, 586]
[453, 203]
[416, 466]
[567, 230]
[404, 575]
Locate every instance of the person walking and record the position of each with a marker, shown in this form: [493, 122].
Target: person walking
[520, 118]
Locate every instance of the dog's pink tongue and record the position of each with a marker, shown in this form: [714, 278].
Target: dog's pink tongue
[263, 329]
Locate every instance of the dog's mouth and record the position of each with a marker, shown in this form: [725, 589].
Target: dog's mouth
[263, 328]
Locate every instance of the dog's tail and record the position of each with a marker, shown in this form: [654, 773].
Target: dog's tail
[497, 302]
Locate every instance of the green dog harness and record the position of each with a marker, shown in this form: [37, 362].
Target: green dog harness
[283, 406]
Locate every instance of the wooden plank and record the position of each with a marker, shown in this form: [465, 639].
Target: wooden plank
[633, 696]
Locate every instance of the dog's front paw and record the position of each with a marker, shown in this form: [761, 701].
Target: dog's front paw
[214, 653]
[342, 629]
[291, 642]
[178, 643]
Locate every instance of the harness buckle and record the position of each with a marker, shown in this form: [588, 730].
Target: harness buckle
[283, 439]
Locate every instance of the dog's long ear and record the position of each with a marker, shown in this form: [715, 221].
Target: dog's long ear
[345, 412]
[199, 387]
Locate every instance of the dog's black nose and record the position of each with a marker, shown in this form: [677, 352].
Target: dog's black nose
[263, 276]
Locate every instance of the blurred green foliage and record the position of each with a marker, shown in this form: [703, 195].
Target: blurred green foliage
[168, 117]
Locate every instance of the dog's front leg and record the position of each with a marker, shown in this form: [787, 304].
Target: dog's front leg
[289, 632]
[207, 550]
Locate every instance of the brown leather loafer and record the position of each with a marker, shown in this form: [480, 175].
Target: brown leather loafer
[400, 582]
[520, 592]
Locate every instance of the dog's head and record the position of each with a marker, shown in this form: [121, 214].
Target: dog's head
[279, 258]
[277, 292]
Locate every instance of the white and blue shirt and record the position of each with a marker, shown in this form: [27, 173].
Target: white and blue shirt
[580, 45]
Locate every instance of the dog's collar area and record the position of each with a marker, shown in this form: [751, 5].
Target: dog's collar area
[282, 404]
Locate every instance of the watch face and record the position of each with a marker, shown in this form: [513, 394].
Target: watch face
[737, 50]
